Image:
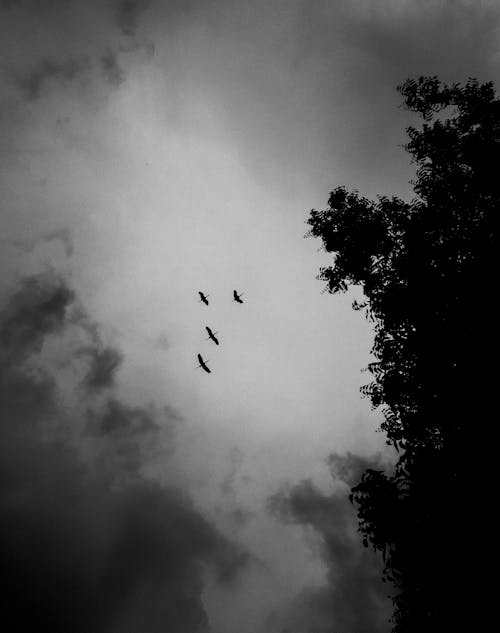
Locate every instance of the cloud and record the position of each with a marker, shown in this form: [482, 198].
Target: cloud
[36, 309]
[353, 600]
[103, 361]
[292, 95]
[62, 235]
[128, 13]
[62, 44]
[103, 364]
[62, 72]
[111, 69]
[313, 85]
[87, 543]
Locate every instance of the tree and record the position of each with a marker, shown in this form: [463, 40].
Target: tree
[427, 270]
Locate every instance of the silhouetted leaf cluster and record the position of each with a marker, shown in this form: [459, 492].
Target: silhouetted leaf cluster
[427, 269]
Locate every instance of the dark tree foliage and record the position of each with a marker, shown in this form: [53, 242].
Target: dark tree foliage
[427, 269]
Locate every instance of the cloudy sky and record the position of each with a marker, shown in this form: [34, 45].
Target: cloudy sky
[151, 149]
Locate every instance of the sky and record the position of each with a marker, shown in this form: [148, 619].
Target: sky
[149, 150]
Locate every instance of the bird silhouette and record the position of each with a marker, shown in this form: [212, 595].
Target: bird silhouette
[203, 365]
[203, 298]
[212, 335]
[237, 297]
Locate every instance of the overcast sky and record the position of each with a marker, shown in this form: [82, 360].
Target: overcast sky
[151, 149]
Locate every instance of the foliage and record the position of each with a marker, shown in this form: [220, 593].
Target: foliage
[427, 269]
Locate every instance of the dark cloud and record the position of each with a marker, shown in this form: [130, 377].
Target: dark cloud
[62, 72]
[102, 361]
[312, 85]
[111, 69]
[128, 13]
[103, 364]
[124, 434]
[37, 308]
[354, 600]
[117, 418]
[41, 6]
[60, 44]
[86, 543]
[62, 235]
[349, 468]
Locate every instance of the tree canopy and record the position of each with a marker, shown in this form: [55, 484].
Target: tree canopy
[427, 270]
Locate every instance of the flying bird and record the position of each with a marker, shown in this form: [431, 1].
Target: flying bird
[203, 298]
[203, 365]
[212, 335]
[237, 297]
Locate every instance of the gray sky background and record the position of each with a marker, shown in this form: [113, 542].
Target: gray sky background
[153, 149]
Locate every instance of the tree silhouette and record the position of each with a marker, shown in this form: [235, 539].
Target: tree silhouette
[427, 269]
